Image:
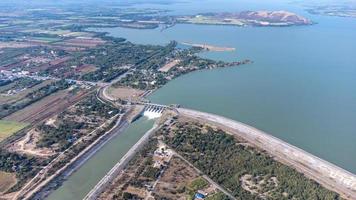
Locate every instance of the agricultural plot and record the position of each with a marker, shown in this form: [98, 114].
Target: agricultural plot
[7, 180]
[8, 128]
[47, 106]
[18, 90]
[44, 39]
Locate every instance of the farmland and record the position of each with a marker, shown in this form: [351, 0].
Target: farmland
[8, 128]
[32, 97]
[48, 106]
[7, 180]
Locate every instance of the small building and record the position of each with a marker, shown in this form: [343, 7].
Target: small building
[199, 196]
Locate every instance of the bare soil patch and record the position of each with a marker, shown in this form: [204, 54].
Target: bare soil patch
[84, 69]
[124, 93]
[7, 180]
[169, 65]
[177, 176]
[259, 185]
[83, 42]
[15, 45]
[27, 145]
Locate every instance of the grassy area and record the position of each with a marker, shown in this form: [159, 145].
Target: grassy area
[45, 39]
[8, 128]
[218, 196]
[7, 180]
[198, 184]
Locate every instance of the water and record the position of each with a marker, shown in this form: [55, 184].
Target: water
[83, 180]
[300, 87]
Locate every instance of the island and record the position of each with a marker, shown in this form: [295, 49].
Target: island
[246, 18]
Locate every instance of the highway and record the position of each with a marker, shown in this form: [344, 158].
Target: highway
[329, 175]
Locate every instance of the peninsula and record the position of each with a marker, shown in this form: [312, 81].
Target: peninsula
[247, 18]
[208, 47]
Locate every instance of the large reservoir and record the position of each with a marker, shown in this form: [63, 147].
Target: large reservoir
[300, 88]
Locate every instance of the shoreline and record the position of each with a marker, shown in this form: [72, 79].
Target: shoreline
[327, 174]
[208, 47]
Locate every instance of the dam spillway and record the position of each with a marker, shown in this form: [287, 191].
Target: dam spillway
[153, 111]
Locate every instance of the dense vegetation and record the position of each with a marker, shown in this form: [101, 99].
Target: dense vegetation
[221, 157]
[63, 135]
[23, 166]
[118, 56]
[74, 123]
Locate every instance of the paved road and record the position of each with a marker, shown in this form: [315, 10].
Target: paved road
[327, 174]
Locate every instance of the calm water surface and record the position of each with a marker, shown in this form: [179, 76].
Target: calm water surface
[301, 87]
[83, 180]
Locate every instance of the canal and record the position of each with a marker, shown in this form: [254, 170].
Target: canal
[86, 177]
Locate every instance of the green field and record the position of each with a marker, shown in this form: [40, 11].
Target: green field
[7, 180]
[44, 39]
[8, 128]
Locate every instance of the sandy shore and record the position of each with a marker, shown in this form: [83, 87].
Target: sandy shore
[209, 47]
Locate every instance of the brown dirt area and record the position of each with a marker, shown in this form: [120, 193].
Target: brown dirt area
[27, 145]
[15, 45]
[83, 42]
[84, 69]
[208, 47]
[169, 65]
[138, 191]
[124, 93]
[256, 185]
[175, 178]
[7, 180]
